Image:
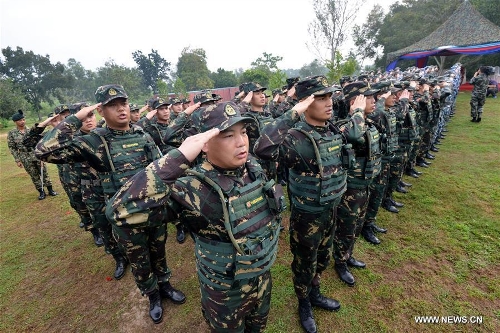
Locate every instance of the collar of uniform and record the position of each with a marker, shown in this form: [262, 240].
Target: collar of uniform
[238, 172]
[121, 132]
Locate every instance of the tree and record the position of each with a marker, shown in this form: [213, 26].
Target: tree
[265, 71]
[267, 61]
[332, 20]
[153, 68]
[365, 36]
[84, 83]
[314, 68]
[12, 99]
[223, 78]
[339, 68]
[35, 75]
[129, 78]
[258, 75]
[192, 69]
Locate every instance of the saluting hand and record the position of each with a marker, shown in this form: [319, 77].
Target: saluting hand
[84, 112]
[405, 94]
[248, 97]
[47, 121]
[302, 106]
[193, 145]
[192, 108]
[359, 103]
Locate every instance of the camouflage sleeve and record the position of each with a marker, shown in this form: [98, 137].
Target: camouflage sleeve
[175, 126]
[33, 135]
[11, 143]
[147, 190]
[245, 107]
[284, 106]
[60, 146]
[273, 135]
[354, 129]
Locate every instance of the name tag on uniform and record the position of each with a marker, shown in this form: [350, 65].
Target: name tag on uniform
[130, 145]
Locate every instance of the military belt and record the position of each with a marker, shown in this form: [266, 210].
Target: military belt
[89, 182]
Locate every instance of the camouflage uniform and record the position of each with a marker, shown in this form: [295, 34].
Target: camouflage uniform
[25, 155]
[352, 208]
[317, 180]
[117, 155]
[234, 275]
[478, 96]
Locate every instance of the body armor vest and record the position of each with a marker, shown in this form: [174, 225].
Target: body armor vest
[126, 156]
[367, 167]
[391, 140]
[250, 214]
[314, 191]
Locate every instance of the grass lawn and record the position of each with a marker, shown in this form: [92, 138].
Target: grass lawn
[440, 257]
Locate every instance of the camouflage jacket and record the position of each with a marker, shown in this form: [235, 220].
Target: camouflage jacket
[480, 84]
[16, 146]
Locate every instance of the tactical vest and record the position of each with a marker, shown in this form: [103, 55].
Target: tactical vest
[250, 214]
[409, 131]
[314, 191]
[126, 155]
[368, 167]
[391, 135]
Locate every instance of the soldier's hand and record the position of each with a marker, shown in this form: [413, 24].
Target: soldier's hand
[84, 112]
[151, 114]
[302, 106]
[291, 91]
[144, 108]
[359, 103]
[387, 94]
[192, 108]
[248, 97]
[19, 164]
[405, 94]
[47, 121]
[193, 145]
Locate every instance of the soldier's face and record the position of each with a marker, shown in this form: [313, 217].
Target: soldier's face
[116, 113]
[177, 108]
[370, 104]
[163, 114]
[89, 123]
[229, 149]
[21, 123]
[390, 100]
[320, 110]
[134, 116]
[258, 99]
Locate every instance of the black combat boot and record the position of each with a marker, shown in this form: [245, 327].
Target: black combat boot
[97, 237]
[430, 156]
[181, 235]
[155, 308]
[387, 205]
[353, 262]
[378, 229]
[121, 265]
[51, 191]
[401, 189]
[42, 195]
[320, 301]
[395, 203]
[405, 184]
[473, 119]
[368, 235]
[478, 120]
[344, 274]
[434, 148]
[167, 291]
[306, 316]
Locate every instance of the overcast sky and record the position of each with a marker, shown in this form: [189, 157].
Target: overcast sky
[232, 32]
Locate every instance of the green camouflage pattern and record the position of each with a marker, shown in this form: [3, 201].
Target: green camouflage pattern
[107, 93]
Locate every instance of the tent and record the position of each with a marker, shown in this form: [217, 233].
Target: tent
[466, 32]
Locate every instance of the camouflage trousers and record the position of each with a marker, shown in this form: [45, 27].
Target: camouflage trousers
[93, 197]
[476, 105]
[396, 168]
[33, 168]
[144, 247]
[243, 308]
[425, 142]
[74, 192]
[311, 239]
[377, 190]
[350, 217]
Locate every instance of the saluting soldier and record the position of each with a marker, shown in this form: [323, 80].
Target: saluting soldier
[118, 152]
[230, 209]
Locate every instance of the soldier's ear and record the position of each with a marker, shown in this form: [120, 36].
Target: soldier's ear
[99, 110]
[205, 148]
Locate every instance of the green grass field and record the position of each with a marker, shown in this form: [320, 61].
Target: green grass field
[440, 257]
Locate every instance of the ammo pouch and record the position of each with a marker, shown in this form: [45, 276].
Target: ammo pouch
[348, 156]
[275, 197]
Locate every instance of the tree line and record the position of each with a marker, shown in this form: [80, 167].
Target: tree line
[30, 81]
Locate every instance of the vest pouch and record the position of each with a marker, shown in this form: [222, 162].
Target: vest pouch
[275, 197]
[348, 156]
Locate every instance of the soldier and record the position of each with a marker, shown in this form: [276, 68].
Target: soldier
[385, 118]
[478, 96]
[352, 208]
[230, 209]
[279, 96]
[117, 152]
[312, 149]
[135, 113]
[185, 103]
[24, 157]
